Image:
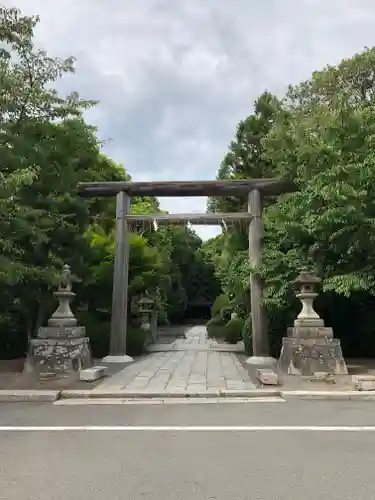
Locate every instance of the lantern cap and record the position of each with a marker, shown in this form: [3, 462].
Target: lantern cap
[307, 277]
[145, 303]
[146, 300]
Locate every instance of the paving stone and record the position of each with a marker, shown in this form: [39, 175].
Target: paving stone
[202, 366]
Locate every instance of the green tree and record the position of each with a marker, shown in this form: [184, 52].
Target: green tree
[326, 148]
[320, 136]
[47, 148]
[245, 159]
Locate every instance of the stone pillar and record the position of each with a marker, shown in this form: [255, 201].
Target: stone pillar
[62, 346]
[310, 347]
[119, 319]
[261, 355]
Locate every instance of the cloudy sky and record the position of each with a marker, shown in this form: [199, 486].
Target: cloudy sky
[174, 77]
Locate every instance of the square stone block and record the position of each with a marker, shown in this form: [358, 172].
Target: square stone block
[60, 331]
[267, 377]
[312, 322]
[308, 332]
[92, 374]
[364, 382]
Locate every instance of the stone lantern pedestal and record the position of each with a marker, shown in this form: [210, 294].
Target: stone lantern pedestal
[309, 346]
[62, 346]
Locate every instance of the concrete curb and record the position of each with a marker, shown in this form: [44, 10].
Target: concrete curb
[32, 396]
[126, 394]
[329, 395]
[42, 396]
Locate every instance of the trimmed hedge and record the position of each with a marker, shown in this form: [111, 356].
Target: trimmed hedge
[221, 302]
[13, 344]
[215, 328]
[233, 330]
[99, 331]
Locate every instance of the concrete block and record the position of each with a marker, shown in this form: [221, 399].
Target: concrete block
[92, 374]
[267, 377]
[364, 382]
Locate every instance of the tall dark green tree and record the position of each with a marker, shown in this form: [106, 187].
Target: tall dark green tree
[320, 136]
[245, 159]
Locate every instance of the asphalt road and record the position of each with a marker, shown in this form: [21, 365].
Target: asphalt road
[57, 463]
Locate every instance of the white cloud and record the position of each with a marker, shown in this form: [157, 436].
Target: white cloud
[174, 78]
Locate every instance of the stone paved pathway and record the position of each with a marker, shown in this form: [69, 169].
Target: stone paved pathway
[178, 371]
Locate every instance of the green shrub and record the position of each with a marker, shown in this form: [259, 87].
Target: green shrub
[233, 330]
[226, 312]
[246, 336]
[135, 341]
[221, 302]
[13, 344]
[215, 328]
[99, 333]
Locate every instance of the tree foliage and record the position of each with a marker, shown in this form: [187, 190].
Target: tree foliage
[321, 136]
[46, 148]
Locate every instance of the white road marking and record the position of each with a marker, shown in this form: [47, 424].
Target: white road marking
[186, 428]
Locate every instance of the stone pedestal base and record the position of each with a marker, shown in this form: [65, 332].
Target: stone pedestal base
[262, 361]
[60, 355]
[122, 358]
[306, 356]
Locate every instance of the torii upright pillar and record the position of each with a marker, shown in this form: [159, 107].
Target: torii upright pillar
[261, 354]
[117, 348]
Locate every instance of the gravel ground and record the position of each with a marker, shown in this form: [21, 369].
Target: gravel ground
[30, 381]
[299, 383]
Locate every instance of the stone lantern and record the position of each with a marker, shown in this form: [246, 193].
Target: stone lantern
[62, 346]
[309, 346]
[306, 281]
[145, 308]
[63, 316]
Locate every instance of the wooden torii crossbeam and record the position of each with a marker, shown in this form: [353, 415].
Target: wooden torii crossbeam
[268, 187]
[255, 189]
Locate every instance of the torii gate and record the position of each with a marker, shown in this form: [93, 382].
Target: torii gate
[255, 189]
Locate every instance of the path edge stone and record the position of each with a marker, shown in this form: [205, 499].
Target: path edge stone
[108, 393]
[329, 395]
[44, 396]
[29, 396]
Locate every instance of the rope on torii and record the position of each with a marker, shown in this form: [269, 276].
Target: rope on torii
[190, 219]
